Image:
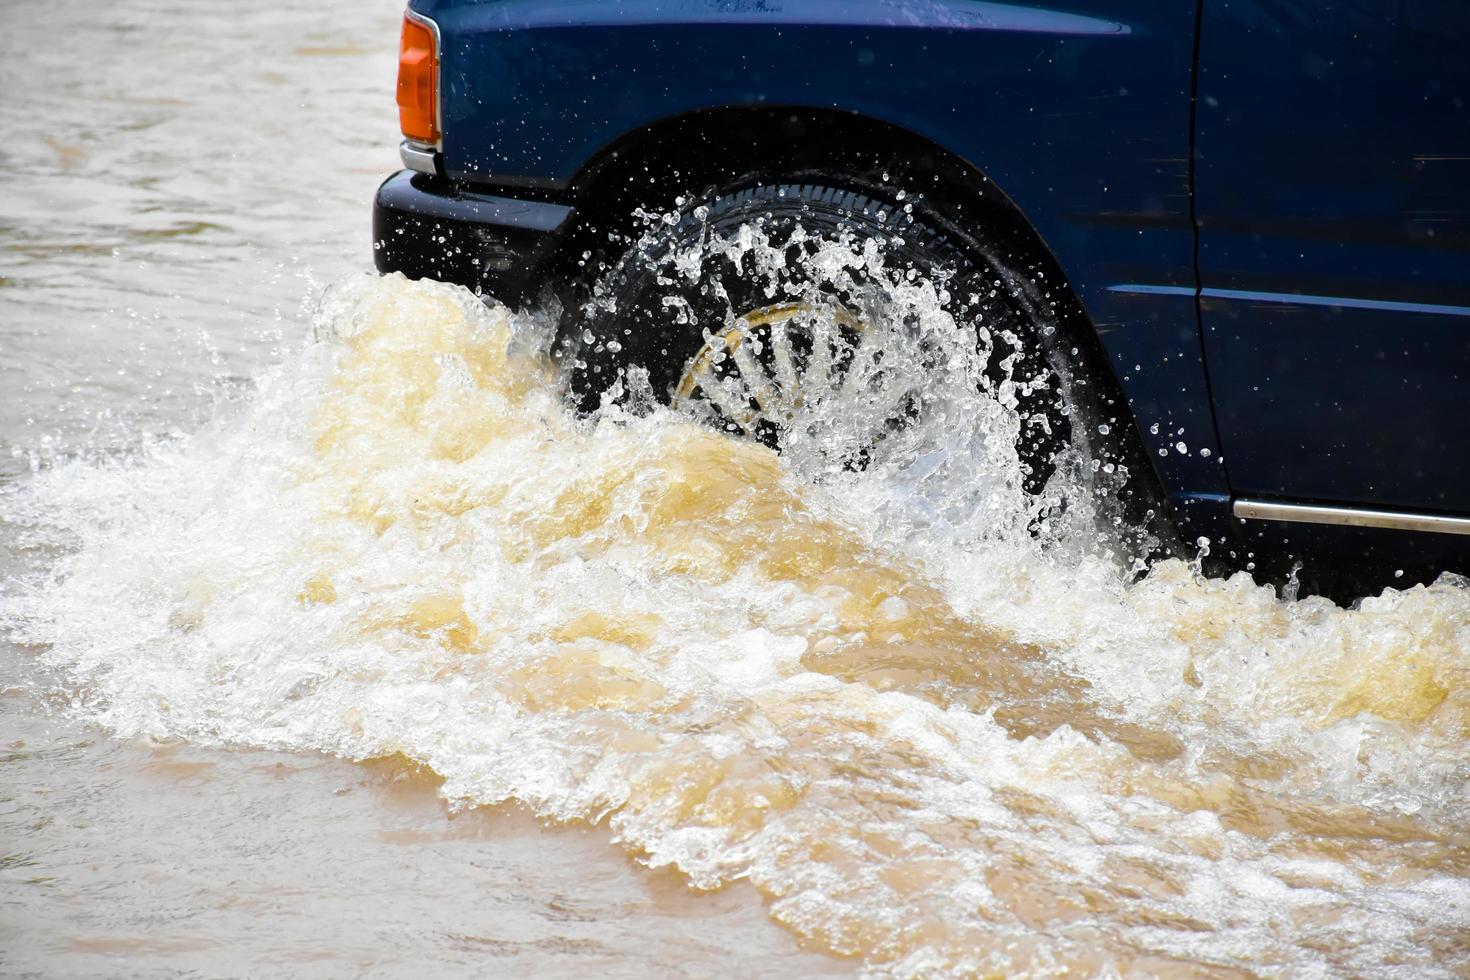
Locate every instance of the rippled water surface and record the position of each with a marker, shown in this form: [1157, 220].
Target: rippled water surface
[318, 597]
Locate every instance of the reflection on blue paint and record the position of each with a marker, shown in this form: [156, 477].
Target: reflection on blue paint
[1146, 290]
[1294, 299]
[958, 15]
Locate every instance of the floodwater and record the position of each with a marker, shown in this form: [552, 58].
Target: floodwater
[337, 644]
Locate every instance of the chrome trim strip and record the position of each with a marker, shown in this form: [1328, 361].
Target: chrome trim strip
[1396, 520]
[1292, 299]
[415, 156]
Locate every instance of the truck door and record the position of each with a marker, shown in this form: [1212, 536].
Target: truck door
[1333, 209]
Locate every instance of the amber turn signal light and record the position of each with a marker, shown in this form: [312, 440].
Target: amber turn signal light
[418, 82]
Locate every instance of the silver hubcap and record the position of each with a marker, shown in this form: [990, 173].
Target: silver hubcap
[795, 373]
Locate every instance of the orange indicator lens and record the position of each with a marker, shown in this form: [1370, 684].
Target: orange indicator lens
[418, 83]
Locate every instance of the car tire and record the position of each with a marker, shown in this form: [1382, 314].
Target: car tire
[650, 309]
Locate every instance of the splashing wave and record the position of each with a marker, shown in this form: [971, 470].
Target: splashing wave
[931, 739]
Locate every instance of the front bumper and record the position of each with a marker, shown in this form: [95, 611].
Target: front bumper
[427, 228]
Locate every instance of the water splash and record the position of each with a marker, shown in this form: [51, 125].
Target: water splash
[931, 740]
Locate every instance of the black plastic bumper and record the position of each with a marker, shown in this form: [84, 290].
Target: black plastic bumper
[426, 228]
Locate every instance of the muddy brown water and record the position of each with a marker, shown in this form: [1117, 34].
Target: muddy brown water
[177, 179]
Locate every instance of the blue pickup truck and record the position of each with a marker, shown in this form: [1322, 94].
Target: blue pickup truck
[1231, 236]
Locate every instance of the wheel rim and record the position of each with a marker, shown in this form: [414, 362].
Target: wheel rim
[798, 372]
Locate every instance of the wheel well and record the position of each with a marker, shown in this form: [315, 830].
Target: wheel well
[687, 155]
[717, 148]
[653, 167]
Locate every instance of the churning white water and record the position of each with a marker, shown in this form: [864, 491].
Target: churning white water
[937, 745]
